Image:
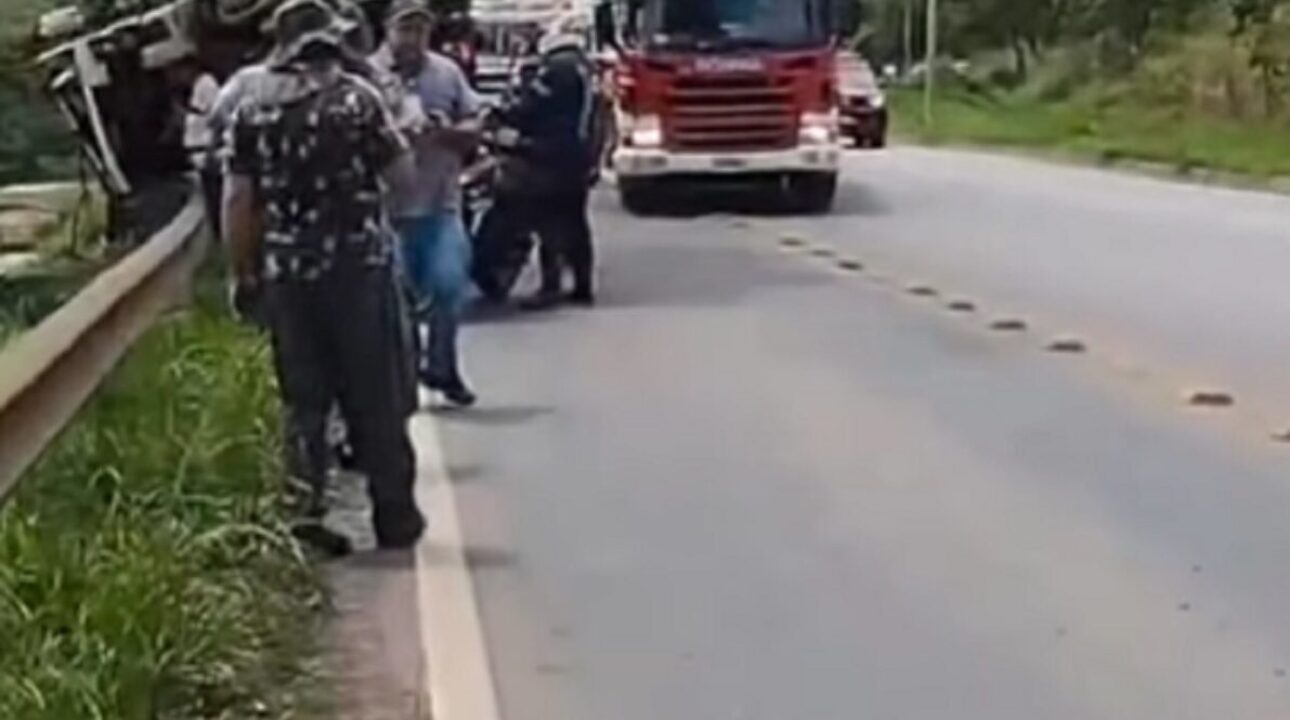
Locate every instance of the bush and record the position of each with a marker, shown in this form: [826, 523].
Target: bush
[1065, 72]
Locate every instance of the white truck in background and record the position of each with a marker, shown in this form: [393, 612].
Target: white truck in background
[508, 31]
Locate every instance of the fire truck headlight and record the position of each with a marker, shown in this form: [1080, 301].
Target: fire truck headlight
[819, 129]
[645, 131]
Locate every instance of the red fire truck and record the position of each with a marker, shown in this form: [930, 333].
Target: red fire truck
[728, 92]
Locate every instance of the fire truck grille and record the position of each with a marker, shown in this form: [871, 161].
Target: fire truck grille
[714, 114]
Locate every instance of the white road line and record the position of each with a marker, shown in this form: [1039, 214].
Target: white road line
[457, 674]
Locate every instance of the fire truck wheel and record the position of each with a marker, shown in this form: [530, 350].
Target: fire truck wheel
[639, 197]
[812, 194]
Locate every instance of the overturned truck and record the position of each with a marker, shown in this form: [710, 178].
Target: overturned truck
[124, 81]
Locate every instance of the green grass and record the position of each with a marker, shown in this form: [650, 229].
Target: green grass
[26, 300]
[145, 571]
[1104, 129]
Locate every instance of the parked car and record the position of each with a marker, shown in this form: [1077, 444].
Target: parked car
[863, 104]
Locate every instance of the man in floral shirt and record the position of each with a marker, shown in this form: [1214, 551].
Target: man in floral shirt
[312, 151]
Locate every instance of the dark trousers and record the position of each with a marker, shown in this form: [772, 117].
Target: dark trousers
[343, 340]
[561, 223]
[212, 186]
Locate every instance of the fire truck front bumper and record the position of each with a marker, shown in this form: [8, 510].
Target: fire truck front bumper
[641, 162]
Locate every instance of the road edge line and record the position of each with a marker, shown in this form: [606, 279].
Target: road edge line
[456, 672]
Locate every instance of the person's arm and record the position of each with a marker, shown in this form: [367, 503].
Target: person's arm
[531, 99]
[386, 148]
[400, 175]
[240, 212]
[241, 222]
[225, 106]
[204, 95]
[197, 127]
[466, 119]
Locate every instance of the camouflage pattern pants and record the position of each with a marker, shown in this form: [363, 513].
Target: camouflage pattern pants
[343, 340]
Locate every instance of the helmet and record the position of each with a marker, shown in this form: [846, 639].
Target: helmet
[569, 30]
[300, 24]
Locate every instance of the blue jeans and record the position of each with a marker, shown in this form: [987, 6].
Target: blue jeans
[436, 258]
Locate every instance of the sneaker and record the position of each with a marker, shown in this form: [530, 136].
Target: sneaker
[459, 394]
[456, 391]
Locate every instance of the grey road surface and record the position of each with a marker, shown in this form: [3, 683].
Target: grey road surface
[1180, 278]
[752, 485]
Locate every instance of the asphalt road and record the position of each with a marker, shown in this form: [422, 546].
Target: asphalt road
[755, 485]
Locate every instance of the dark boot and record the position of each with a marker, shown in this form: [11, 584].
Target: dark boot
[399, 533]
[583, 294]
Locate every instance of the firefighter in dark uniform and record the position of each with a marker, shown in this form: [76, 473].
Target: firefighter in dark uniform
[312, 151]
[555, 114]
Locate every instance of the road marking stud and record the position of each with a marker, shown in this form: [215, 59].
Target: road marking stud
[1211, 399]
[922, 291]
[792, 241]
[823, 253]
[1282, 436]
[1009, 325]
[1068, 345]
[851, 265]
[962, 306]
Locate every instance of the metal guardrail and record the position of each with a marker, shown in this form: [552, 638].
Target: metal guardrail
[48, 372]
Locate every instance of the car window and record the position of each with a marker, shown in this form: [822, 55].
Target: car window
[855, 75]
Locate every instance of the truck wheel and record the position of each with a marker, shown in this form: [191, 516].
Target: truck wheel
[812, 194]
[639, 197]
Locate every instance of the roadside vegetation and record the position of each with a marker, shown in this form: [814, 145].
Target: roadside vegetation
[1195, 84]
[146, 570]
[60, 255]
[34, 141]
[1100, 131]
[27, 299]
[145, 567]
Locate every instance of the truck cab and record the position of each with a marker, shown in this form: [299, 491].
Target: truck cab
[728, 92]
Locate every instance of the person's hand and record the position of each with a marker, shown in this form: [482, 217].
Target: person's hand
[460, 139]
[439, 119]
[409, 116]
[508, 137]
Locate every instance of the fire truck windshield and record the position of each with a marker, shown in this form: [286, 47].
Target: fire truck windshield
[723, 24]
